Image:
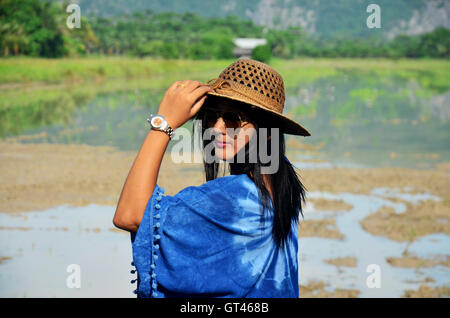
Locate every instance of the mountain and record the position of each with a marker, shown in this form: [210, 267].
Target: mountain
[321, 18]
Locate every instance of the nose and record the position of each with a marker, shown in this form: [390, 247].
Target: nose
[220, 125]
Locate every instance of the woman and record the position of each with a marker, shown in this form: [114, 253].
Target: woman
[233, 236]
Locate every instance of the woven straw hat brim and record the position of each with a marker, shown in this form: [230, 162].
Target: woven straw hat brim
[287, 125]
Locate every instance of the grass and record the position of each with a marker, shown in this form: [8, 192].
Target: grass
[54, 71]
[304, 70]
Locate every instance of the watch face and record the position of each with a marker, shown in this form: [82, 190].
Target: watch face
[157, 121]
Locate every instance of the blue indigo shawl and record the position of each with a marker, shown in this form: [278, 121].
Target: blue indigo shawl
[212, 241]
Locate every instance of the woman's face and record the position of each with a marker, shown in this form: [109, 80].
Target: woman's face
[232, 130]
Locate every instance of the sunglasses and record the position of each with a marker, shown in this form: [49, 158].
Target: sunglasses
[231, 119]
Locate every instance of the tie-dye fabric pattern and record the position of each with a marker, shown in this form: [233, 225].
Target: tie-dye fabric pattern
[211, 241]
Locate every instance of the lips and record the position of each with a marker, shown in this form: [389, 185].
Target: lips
[221, 144]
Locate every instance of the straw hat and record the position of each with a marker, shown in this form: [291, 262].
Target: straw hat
[260, 86]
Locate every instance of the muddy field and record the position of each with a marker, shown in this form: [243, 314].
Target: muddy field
[41, 176]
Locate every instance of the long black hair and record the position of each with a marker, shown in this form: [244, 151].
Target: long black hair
[287, 189]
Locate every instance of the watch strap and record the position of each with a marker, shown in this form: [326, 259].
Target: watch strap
[169, 131]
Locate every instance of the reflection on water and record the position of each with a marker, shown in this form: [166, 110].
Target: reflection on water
[42, 245]
[116, 119]
[360, 118]
[396, 193]
[379, 121]
[368, 249]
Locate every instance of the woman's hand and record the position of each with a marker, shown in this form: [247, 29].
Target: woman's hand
[179, 104]
[182, 100]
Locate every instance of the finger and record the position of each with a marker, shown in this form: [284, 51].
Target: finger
[183, 84]
[192, 85]
[199, 91]
[175, 85]
[198, 105]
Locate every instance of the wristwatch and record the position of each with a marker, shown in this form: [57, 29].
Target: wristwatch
[158, 122]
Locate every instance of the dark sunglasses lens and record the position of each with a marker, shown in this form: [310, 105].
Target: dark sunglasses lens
[210, 118]
[231, 119]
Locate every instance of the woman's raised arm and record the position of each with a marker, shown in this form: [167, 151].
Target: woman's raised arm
[181, 102]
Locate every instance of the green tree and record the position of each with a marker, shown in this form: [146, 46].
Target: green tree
[262, 53]
[36, 21]
[435, 44]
